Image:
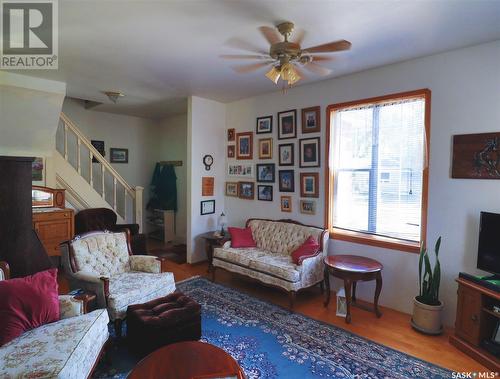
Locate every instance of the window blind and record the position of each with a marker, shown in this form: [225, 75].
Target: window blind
[378, 160]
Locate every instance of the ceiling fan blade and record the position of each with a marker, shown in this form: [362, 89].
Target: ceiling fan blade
[271, 34]
[298, 36]
[322, 58]
[299, 71]
[240, 44]
[317, 69]
[243, 56]
[330, 47]
[244, 69]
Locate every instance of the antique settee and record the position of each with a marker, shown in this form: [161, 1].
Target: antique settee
[102, 262]
[271, 261]
[68, 348]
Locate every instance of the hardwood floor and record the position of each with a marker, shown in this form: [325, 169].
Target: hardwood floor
[392, 329]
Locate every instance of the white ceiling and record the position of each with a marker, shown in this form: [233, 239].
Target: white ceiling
[160, 52]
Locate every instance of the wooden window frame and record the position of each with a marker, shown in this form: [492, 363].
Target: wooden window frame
[366, 238]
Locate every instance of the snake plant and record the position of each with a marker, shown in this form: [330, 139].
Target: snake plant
[428, 278]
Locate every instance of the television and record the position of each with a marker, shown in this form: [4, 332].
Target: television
[488, 256]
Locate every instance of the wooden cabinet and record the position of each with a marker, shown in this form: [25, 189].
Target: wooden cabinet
[53, 226]
[476, 321]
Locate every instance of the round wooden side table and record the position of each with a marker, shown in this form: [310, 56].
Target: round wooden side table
[351, 269]
[212, 241]
[188, 360]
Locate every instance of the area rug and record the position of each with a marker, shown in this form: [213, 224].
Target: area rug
[271, 342]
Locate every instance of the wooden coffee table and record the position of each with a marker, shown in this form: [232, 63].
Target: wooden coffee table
[353, 268]
[187, 360]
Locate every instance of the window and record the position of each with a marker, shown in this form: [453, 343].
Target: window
[377, 151]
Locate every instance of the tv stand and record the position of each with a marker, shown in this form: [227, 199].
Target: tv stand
[476, 321]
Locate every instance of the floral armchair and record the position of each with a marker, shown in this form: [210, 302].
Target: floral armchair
[102, 262]
[68, 348]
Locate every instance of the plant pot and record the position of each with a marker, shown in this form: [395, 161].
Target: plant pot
[427, 318]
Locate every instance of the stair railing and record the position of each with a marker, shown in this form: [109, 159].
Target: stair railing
[135, 193]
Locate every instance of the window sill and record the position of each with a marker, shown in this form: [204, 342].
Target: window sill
[372, 240]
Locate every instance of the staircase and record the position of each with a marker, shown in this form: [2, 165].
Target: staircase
[89, 179]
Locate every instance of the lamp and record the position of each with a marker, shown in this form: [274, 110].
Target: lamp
[113, 95]
[285, 72]
[222, 223]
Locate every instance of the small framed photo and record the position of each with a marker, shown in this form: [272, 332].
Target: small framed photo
[246, 190]
[266, 148]
[231, 135]
[244, 145]
[308, 207]
[264, 125]
[286, 180]
[232, 189]
[309, 184]
[207, 207]
[118, 155]
[311, 120]
[309, 149]
[231, 151]
[265, 193]
[242, 170]
[266, 173]
[286, 154]
[99, 145]
[287, 124]
[286, 203]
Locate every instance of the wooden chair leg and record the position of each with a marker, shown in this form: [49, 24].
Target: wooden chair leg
[322, 287]
[213, 273]
[118, 328]
[291, 296]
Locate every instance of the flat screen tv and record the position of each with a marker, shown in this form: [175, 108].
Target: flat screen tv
[488, 256]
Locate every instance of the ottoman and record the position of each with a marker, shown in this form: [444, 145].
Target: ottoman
[163, 321]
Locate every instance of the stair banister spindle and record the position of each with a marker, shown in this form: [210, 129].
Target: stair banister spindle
[78, 158]
[91, 174]
[124, 203]
[114, 194]
[103, 172]
[65, 141]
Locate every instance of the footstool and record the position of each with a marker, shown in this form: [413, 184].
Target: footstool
[173, 318]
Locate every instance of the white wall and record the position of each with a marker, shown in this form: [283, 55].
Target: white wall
[465, 87]
[173, 146]
[206, 133]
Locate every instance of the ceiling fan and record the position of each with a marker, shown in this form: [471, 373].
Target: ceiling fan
[286, 57]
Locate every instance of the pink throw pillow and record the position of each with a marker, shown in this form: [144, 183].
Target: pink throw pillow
[27, 303]
[241, 237]
[309, 248]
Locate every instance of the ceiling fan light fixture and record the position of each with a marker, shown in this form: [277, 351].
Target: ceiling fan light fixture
[289, 74]
[273, 75]
[113, 95]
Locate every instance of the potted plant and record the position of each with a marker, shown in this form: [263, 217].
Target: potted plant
[427, 307]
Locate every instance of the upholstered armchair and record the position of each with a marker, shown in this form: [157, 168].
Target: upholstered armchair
[67, 348]
[94, 219]
[102, 262]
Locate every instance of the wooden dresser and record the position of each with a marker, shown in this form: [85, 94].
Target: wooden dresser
[51, 220]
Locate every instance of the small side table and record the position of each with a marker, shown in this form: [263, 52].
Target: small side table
[212, 241]
[353, 268]
[89, 300]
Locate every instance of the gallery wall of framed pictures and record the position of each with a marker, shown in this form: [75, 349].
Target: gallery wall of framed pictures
[279, 161]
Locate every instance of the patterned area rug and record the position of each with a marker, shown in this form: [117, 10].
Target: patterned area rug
[271, 342]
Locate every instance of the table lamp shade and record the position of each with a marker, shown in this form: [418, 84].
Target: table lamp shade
[222, 220]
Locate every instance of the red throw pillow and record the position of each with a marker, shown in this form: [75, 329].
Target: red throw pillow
[27, 303]
[309, 248]
[241, 237]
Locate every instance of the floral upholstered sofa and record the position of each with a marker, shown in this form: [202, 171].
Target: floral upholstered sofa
[102, 262]
[66, 349]
[271, 262]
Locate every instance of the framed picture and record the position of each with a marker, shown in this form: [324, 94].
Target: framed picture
[244, 145]
[266, 148]
[308, 207]
[265, 193]
[207, 186]
[286, 203]
[241, 170]
[309, 149]
[246, 190]
[232, 189]
[265, 173]
[37, 170]
[287, 124]
[231, 151]
[309, 184]
[311, 120]
[475, 156]
[286, 154]
[286, 180]
[118, 155]
[264, 125]
[207, 207]
[99, 146]
[231, 134]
